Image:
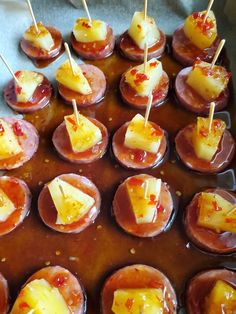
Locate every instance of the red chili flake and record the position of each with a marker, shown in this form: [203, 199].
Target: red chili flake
[153, 200]
[18, 89]
[139, 26]
[24, 305]
[139, 155]
[140, 78]
[230, 220]
[1, 129]
[160, 208]
[18, 73]
[204, 26]
[129, 303]
[59, 280]
[72, 121]
[135, 181]
[154, 64]
[17, 129]
[215, 206]
[217, 124]
[203, 132]
[156, 132]
[133, 72]
[154, 283]
[86, 25]
[195, 15]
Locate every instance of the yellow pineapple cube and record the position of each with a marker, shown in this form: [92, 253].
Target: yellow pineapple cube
[142, 31]
[201, 34]
[43, 39]
[145, 82]
[27, 83]
[84, 135]
[38, 296]
[140, 137]
[206, 143]
[136, 301]
[144, 198]
[222, 297]
[71, 204]
[216, 213]
[9, 145]
[6, 206]
[86, 32]
[208, 83]
[76, 82]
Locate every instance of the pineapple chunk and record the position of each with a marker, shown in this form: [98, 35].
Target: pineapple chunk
[43, 39]
[28, 82]
[216, 213]
[142, 31]
[9, 145]
[144, 206]
[71, 206]
[6, 206]
[136, 301]
[201, 34]
[208, 83]
[83, 136]
[77, 83]
[145, 138]
[222, 299]
[38, 296]
[145, 82]
[206, 144]
[86, 32]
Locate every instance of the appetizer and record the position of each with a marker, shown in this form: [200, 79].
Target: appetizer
[138, 146]
[139, 82]
[69, 203]
[210, 221]
[212, 292]
[18, 142]
[31, 91]
[41, 43]
[92, 40]
[143, 205]
[142, 31]
[3, 295]
[196, 87]
[82, 141]
[85, 83]
[51, 290]
[15, 201]
[204, 150]
[138, 289]
[196, 39]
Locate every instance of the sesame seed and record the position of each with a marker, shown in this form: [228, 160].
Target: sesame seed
[46, 161]
[73, 258]
[3, 260]
[58, 253]
[178, 193]
[162, 172]
[110, 119]
[80, 170]
[99, 227]
[40, 183]
[47, 263]
[132, 251]
[173, 161]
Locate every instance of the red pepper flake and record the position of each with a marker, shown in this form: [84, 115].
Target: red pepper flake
[17, 129]
[18, 73]
[230, 220]
[157, 132]
[215, 206]
[72, 121]
[24, 305]
[133, 72]
[153, 200]
[203, 132]
[1, 129]
[217, 124]
[195, 15]
[205, 26]
[139, 155]
[59, 280]
[154, 283]
[140, 78]
[135, 181]
[154, 64]
[86, 25]
[129, 303]
[139, 27]
[160, 208]
[18, 89]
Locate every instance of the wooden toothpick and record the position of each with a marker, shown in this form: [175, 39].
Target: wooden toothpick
[70, 58]
[32, 15]
[145, 9]
[9, 69]
[149, 105]
[211, 115]
[208, 10]
[75, 111]
[145, 190]
[145, 57]
[218, 51]
[87, 11]
[62, 191]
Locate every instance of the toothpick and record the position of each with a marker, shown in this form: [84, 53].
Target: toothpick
[145, 9]
[149, 105]
[70, 58]
[62, 191]
[145, 189]
[9, 69]
[218, 51]
[145, 57]
[75, 111]
[211, 115]
[87, 11]
[208, 10]
[231, 211]
[32, 15]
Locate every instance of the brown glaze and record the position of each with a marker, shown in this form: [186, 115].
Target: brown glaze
[48, 212]
[138, 277]
[130, 50]
[39, 100]
[136, 158]
[208, 239]
[97, 82]
[67, 284]
[125, 217]
[201, 285]
[221, 159]
[130, 96]
[3, 295]
[28, 140]
[19, 193]
[61, 142]
[95, 50]
[186, 53]
[192, 101]
[36, 53]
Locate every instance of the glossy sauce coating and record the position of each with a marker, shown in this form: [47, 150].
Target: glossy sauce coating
[3, 295]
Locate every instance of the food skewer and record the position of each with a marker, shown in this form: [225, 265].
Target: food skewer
[218, 51]
[145, 10]
[9, 68]
[69, 57]
[75, 111]
[87, 11]
[33, 16]
[208, 10]
[211, 115]
[62, 191]
[145, 189]
[145, 57]
[150, 98]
